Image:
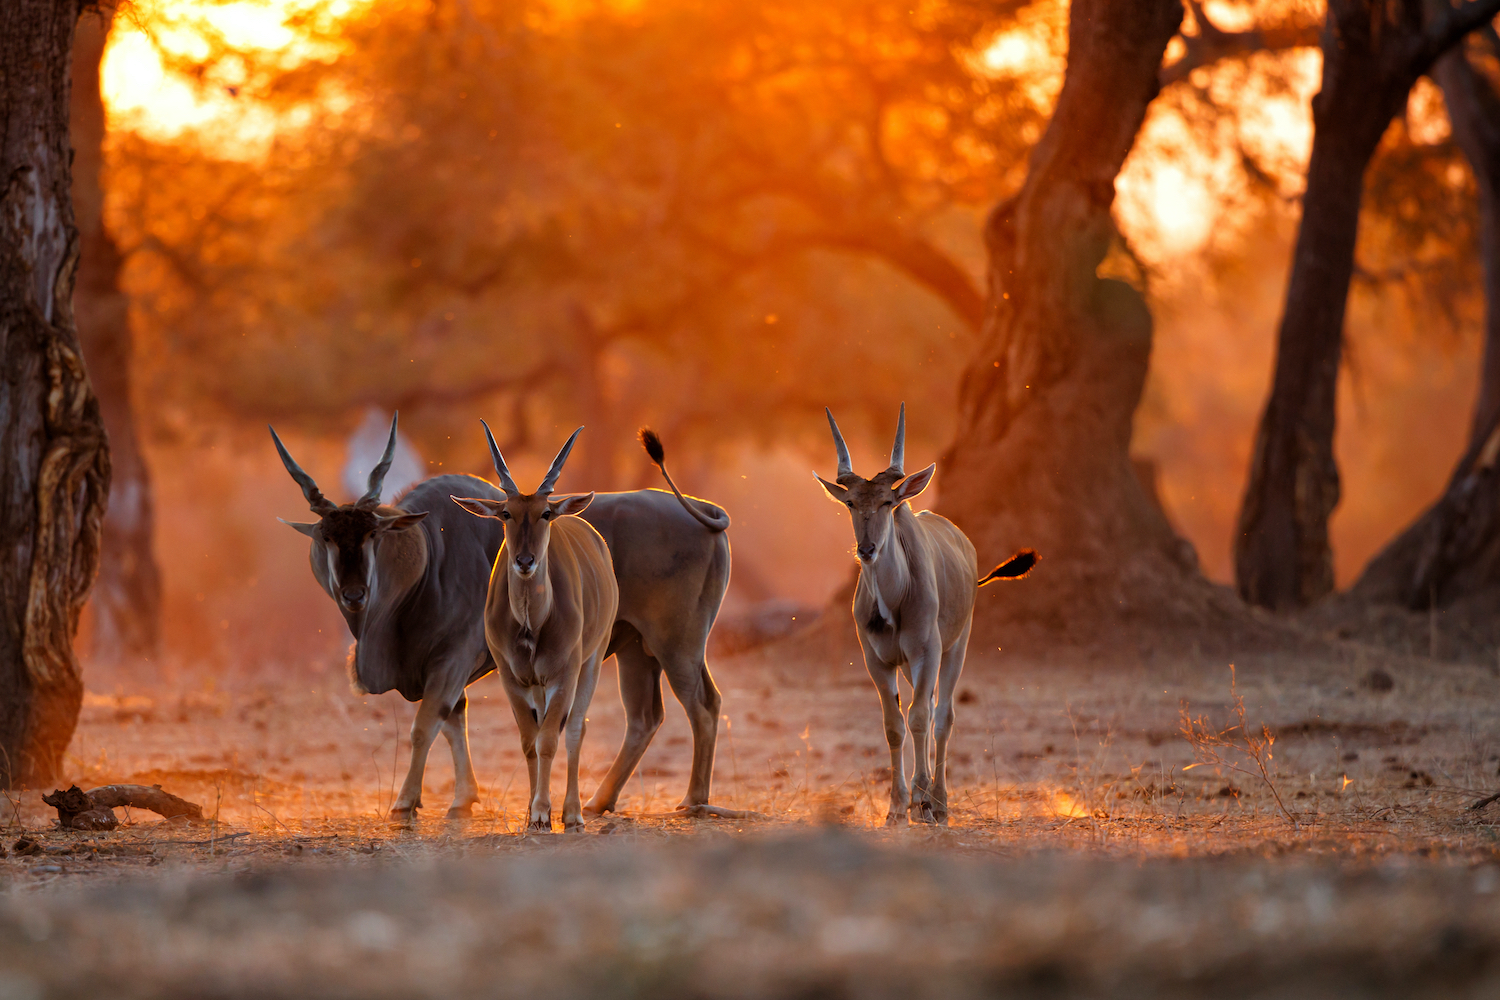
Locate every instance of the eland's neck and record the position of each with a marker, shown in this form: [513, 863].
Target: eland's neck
[888, 576]
[531, 598]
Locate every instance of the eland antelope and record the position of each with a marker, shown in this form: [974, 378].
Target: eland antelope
[410, 581]
[913, 608]
[671, 561]
[547, 622]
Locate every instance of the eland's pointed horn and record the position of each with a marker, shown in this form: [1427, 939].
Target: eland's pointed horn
[898, 450]
[846, 466]
[506, 483]
[557, 465]
[316, 501]
[377, 474]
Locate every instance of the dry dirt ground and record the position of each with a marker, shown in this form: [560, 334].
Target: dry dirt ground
[1082, 858]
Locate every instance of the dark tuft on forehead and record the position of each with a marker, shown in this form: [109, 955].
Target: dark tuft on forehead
[886, 478]
[347, 527]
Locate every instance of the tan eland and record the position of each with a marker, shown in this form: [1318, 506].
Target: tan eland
[547, 621]
[913, 609]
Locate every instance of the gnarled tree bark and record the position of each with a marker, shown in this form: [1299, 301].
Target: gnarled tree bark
[1373, 52]
[1453, 549]
[1042, 458]
[54, 463]
[127, 596]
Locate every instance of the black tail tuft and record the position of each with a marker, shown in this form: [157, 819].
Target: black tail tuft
[652, 444]
[1014, 568]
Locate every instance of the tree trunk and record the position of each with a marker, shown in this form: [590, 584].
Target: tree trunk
[1373, 53]
[1042, 453]
[1453, 548]
[54, 463]
[127, 596]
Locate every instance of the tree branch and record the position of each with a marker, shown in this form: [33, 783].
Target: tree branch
[1213, 44]
[1450, 27]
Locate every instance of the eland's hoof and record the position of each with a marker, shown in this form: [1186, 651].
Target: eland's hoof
[461, 812]
[403, 817]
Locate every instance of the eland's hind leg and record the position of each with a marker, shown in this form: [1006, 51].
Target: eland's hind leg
[948, 674]
[695, 689]
[465, 784]
[640, 692]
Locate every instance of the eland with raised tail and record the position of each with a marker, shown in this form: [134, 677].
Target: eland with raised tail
[913, 609]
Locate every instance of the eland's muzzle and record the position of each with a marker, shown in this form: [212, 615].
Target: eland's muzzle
[525, 565]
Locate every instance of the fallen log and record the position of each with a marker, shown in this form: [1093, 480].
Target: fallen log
[94, 809]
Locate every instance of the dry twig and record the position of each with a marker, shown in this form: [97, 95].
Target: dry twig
[1210, 745]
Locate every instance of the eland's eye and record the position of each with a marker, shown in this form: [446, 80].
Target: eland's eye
[505, 515]
[849, 504]
[886, 504]
[547, 515]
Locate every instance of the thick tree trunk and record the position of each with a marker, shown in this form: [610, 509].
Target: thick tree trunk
[1373, 53]
[1453, 549]
[1042, 453]
[54, 464]
[127, 596]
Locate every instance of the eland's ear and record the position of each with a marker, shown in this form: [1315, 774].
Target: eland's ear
[576, 504]
[834, 490]
[915, 483]
[479, 507]
[308, 528]
[397, 522]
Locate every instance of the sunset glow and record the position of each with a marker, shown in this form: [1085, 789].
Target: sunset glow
[145, 94]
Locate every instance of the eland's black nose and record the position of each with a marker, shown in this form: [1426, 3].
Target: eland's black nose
[353, 596]
[525, 564]
[867, 551]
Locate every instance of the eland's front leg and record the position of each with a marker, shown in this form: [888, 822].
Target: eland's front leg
[424, 729]
[527, 725]
[559, 700]
[886, 678]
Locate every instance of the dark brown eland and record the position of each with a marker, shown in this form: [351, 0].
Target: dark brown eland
[913, 608]
[426, 638]
[410, 581]
[547, 621]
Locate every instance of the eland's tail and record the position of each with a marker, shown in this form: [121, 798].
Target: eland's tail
[718, 521]
[1014, 568]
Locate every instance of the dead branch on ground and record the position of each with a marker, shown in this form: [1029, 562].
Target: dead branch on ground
[94, 810]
